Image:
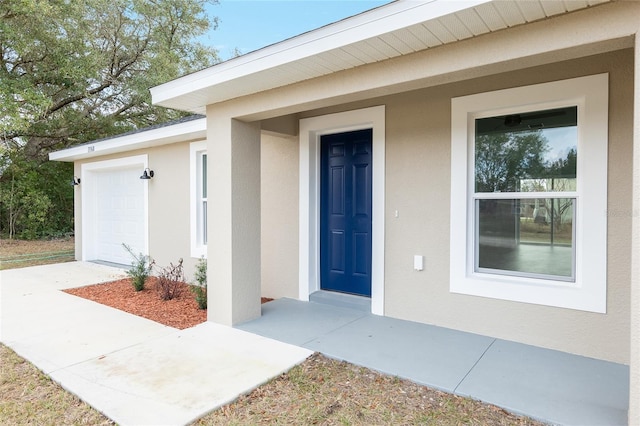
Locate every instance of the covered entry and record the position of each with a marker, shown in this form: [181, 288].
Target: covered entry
[367, 124]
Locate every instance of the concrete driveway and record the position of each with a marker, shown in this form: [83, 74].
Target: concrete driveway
[135, 371]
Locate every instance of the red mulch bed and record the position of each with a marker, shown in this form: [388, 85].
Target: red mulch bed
[181, 312]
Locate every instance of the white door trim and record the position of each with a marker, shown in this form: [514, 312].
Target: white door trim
[309, 233]
[88, 190]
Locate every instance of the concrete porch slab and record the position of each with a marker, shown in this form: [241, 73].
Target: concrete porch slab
[554, 386]
[551, 386]
[298, 323]
[432, 356]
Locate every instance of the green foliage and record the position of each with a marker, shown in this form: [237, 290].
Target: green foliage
[200, 289]
[170, 281]
[77, 71]
[36, 199]
[503, 159]
[141, 267]
[566, 167]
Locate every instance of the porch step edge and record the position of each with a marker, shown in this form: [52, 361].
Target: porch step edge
[341, 300]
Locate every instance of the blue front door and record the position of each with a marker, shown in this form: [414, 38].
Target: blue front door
[345, 212]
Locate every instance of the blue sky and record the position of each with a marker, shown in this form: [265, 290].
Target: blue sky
[251, 24]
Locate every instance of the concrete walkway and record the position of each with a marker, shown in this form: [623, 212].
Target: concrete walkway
[135, 371]
[551, 386]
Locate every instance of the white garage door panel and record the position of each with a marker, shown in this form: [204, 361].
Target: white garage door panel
[119, 214]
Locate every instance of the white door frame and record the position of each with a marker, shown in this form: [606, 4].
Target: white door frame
[309, 233]
[89, 193]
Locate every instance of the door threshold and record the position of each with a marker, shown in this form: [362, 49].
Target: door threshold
[341, 300]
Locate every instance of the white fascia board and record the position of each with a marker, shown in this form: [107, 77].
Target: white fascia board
[382, 20]
[181, 132]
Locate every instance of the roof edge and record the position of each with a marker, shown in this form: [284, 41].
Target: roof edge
[164, 134]
[372, 23]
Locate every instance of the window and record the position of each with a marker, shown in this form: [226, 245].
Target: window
[202, 202]
[528, 194]
[525, 193]
[198, 171]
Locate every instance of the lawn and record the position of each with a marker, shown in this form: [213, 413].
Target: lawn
[23, 253]
[319, 391]
[30, 397]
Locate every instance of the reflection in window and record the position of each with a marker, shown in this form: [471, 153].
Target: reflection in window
[528, 237]
[528, 152]
[527, 155]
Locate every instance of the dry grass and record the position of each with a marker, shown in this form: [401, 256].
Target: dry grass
[30, 397]
[320, 391]
[23, 253]
[323, 391]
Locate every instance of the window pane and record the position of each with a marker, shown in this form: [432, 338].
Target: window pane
[204, 222]
[527, 152]
[526, 237]
[204, 175]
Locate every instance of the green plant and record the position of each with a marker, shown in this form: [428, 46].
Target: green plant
[141, 267]
[36, 200]
[170, 281]
[200, 289]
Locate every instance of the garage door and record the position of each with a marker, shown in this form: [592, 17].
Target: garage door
[119, 214]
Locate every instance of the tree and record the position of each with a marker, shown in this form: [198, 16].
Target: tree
[504, 159]
[76, 71]
[515, 162]
[28, 194]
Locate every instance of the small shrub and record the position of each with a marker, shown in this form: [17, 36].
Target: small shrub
[170, 281]
[199, 290]
[141, 266]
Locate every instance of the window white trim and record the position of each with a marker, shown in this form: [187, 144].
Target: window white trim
[309, 248]
[89, 193]
[589, 290]
[196, 149]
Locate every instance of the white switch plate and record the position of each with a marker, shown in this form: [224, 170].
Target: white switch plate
[418, 262]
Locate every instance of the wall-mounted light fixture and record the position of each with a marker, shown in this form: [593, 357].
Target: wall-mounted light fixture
[147, 174]
[75, 181]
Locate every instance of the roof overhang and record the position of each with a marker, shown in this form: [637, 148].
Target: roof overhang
[396, 29]
[165, 135]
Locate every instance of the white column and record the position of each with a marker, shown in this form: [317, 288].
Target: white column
[634, 363]
[233, 275]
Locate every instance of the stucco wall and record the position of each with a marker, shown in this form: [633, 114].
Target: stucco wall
[418, 145]
[279, 206]
[169, 203]
[169, 207]
[418, 187]
[169, 238]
